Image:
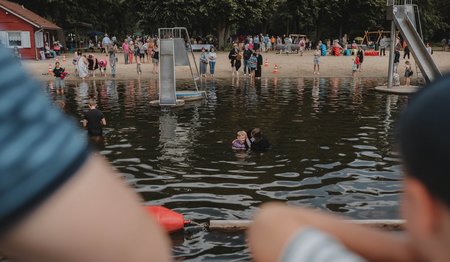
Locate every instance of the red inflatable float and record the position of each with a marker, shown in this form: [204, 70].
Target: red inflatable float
[170, 220]
[371, 53]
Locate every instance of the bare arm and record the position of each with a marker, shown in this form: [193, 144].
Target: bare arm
[103, 121]
[92, 217]
[276, 224]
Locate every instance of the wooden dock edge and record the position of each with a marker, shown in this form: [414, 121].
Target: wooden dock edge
[241, 225]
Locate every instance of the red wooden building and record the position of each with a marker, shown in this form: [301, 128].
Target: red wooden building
[25, 29]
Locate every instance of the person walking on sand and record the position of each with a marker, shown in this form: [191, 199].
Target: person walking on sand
[106, 42]
[360, 55]
[155, 59]
[126, 51]
[316, 60]
[383, 45]
[396, 59]
[405, 50]
[408, 73]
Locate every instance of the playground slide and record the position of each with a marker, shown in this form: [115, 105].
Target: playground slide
[167, 90]
[181, 56]
[417, 47]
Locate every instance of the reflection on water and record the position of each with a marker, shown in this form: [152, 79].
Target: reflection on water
[331, 149]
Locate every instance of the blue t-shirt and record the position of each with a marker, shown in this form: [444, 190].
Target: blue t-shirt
[40, 148]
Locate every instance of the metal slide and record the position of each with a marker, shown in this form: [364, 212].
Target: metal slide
[423, 59]
[173, 53]
[167, 90]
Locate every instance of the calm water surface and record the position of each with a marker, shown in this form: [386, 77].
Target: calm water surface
[332, 144]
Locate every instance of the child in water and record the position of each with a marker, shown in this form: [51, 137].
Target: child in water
[240, 143]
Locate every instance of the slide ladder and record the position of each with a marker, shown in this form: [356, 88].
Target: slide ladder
[403, 18]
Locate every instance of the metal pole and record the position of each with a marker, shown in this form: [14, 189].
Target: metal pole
[391, 55]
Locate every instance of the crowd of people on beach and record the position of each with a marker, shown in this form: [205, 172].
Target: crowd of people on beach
[138, 50]
[246, 52]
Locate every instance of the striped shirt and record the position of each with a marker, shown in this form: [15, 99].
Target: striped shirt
[312, 245]
[40, 148]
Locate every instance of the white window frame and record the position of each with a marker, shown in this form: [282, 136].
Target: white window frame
[22, 41]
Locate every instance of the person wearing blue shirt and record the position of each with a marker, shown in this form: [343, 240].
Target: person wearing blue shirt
[58, 200]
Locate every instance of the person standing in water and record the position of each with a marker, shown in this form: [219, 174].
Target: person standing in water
[317, 60]
[212, 57]
[259, 62]
[59, 74]
[93, 120]
[113, 60]
[258, 142]
[203, 63]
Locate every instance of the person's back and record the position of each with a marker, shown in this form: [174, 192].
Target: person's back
[247, 54]
[383, 42]
[281, 233]
[93, 120]
[396, 56]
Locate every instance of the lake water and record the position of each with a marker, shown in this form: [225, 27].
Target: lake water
[332, 148]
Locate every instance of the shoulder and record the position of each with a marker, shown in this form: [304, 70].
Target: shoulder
[308, 243]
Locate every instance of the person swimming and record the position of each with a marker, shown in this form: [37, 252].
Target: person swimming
[258, 141]
[240, 143]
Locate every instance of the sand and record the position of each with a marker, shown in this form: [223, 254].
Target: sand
[292, 65]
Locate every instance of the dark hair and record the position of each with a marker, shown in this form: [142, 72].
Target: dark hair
[424, 138]
[256, 133]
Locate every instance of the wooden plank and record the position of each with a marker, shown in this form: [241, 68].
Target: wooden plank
[241, 225]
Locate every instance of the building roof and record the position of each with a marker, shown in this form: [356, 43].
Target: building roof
[27, 15]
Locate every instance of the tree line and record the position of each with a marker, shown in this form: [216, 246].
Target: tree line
[318, 19]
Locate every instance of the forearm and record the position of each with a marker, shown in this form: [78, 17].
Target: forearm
[371, 244]
[83, 221]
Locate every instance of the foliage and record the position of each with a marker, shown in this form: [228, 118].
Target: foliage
[317, 18]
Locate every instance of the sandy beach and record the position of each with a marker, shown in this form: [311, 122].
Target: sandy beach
[292, 65]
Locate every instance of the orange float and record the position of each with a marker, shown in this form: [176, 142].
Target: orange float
[170, 220]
